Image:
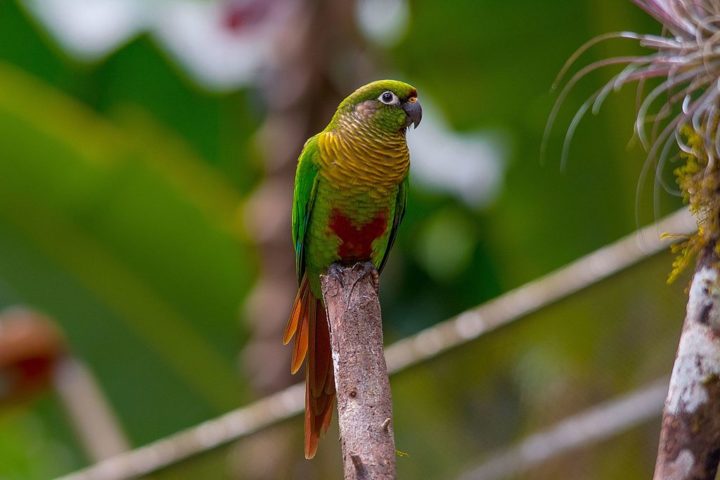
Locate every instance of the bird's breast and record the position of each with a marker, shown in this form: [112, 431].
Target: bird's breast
[356, 238]
[363, 163]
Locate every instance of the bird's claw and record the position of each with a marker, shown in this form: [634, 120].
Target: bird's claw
[335, 271]
[367, 268]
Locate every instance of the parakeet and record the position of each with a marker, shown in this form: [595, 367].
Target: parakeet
[350, 191]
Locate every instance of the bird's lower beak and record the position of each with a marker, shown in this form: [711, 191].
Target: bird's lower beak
[413, 110]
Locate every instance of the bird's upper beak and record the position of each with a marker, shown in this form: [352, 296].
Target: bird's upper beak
[413, 110]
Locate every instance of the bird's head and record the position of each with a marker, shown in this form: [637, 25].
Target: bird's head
[388, 105]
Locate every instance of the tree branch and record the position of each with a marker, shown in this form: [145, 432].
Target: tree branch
[361, 378]
[690, 436]
[90, 414]
[593, 425]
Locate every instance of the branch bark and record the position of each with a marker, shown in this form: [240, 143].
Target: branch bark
[690, 437]
[361, 378]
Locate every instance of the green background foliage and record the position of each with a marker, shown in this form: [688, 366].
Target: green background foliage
[121, 191]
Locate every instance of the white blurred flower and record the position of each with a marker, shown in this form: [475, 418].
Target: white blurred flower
[222, 44]
[90, 29]
[383, 21]
[219, 51]
[468, 165]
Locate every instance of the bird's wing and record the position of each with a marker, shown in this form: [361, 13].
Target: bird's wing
[306, 180]
[400, 202]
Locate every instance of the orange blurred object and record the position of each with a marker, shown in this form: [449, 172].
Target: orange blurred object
[30, 349]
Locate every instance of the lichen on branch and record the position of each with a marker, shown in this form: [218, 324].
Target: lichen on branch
[699, 182]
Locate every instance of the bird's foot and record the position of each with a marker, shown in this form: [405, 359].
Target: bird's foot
[335, 271]
[367, 268]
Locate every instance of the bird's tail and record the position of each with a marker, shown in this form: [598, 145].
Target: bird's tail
[309, 326]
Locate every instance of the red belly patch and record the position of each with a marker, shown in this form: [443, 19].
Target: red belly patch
[356, 240]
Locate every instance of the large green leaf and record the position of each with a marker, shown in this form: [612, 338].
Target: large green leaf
[133, 243]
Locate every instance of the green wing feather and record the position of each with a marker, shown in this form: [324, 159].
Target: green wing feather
[400, 202]
[306, 180]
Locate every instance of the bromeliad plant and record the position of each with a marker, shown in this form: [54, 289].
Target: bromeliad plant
[680, 114]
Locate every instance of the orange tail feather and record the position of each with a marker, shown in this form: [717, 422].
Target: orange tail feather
[297, 310]
[309, 326]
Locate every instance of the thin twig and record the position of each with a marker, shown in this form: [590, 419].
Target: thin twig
[198, 439]
[593, 425]
[95, 424]
[408, 352]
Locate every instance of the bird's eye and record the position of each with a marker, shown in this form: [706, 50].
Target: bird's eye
[389, 98]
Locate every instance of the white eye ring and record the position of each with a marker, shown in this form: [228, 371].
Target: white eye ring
[389, 98]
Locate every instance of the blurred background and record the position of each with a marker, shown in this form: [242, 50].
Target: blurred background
[147, 151]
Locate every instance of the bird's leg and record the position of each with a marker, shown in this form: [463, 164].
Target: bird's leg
[367, 268]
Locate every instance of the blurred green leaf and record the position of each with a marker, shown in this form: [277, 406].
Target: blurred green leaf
[146, 229]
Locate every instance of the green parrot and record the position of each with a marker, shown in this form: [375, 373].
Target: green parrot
[350, 191]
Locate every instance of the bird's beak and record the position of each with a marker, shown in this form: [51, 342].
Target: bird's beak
[413, 110]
